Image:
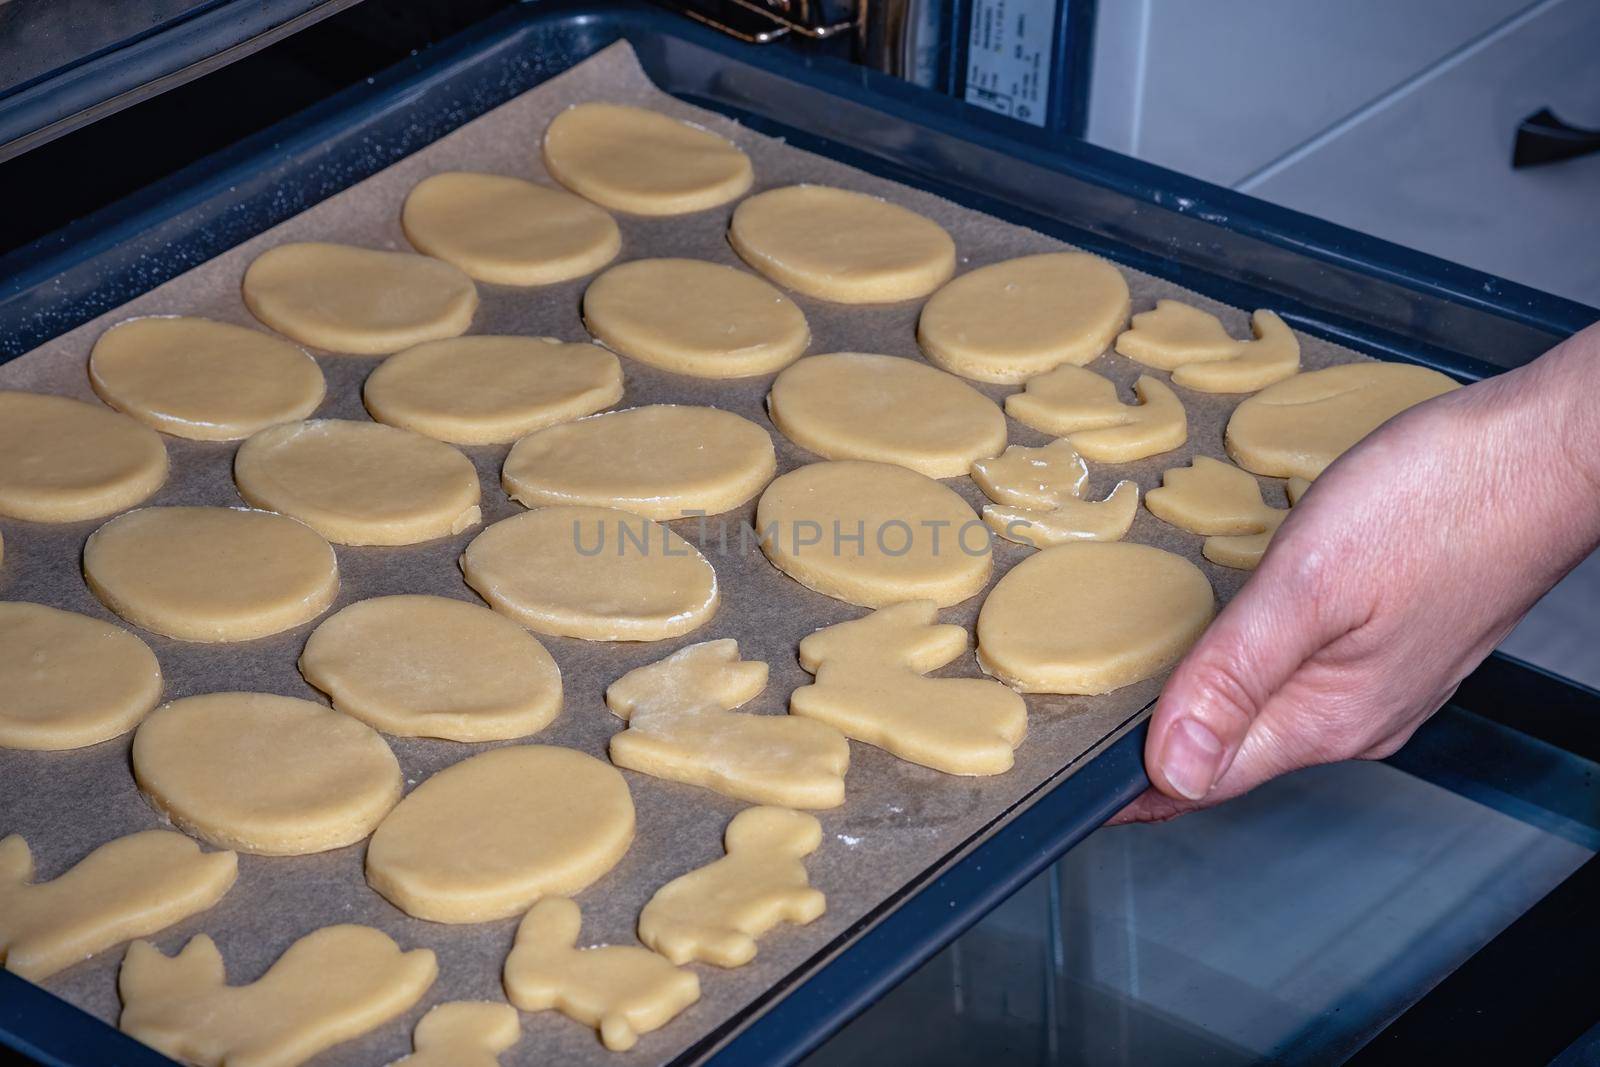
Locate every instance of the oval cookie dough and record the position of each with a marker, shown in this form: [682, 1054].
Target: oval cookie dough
[696, 318]
[643, 162]
[852, 405]
[67, 680]
[211, 574]
[1091, 617]
[873, 534]
[265, 774]
[837, 245]
[359, 483]
[63, 460]
[203, 380]
[358, 300]
[1009, 321]
[487, 837]
[429, 666]
[594, 573]
[662, 461]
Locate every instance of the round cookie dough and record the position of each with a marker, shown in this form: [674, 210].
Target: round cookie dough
[203, 380]
[359, 301]
[430, 666]
[1090, 617]
[643, 162]
[693, 317]
[852, 405]
[63, 460]
[837, 245]
[211, 574]
[662, 461]
[68, 681]
[490, 390]
[507, 231]
[1296, 427]
[593, 573]
[265, 774]
[873, 534]
[359, 483]
[1010, 321]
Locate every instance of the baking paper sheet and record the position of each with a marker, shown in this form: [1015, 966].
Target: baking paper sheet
[899, 820]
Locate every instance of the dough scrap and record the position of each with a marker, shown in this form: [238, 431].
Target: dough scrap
[1295, 428]
[430, 666]
[643, 162]
[128, 887]
[1038, 497]
[359, 301]
[716, 912]
[662, 461]
[507, 231]
[696, 318]
[842, 246]
[1223, 504]
[272, 775]
[853, 405]
[1196, 347]
[359, 483]
[1012, 320]
[1088, 618]
[211, 574]
[594, 573]
[463, 1033]
[682, 727]
[870, 685]
[331, 986]
[1083, 407]
[62, 460]
[486, 837]
[622, 990]
[490, 390]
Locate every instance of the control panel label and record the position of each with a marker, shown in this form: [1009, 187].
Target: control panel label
[1008, 57]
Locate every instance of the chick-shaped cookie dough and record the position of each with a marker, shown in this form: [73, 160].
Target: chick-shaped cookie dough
[623, 990]
[463, 1033]
[1197, 349]
[870, 685]
[1083, 407]
[716, 913]
[1038, 497]
[330, 986]
[682, 727]
[1223, 504]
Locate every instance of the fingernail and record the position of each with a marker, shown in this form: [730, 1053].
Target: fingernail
[1191, 759]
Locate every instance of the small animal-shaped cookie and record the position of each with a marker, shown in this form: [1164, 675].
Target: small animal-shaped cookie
[1223, 504]
[1083, 407]
[1197, 349]
[463, 1033]
[1038, 497]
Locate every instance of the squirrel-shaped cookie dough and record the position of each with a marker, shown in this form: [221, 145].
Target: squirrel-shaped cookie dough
[1083, 407]
[1197, 349]
[463, 1033]
[1223, 504]
[1038, 497]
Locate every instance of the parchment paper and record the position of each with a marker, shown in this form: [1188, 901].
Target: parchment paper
[899, 820]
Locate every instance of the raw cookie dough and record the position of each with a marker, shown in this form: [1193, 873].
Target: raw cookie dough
[68, 681]
[358, 300]
[203, 380]
[490, 390]
[1223, 504]
[1038, 497]
[873, 534]
[1089, 618]
[63, 460]
[870, 685]
[851, 405]
[695, 318]
[622, 990]
[662, 461]
[359, 483]
[716, 912]
[272, 775]
[486, 837]
[1197, 349]
[507, 231]
[1083, 407]
[430, 666]
[682, 727]
[463, 1033]
[1010, 321]
[1295, 428]
[843, 246]
[211, 574]
[595, 573]
[126, 888]
[643, 162]
[332, 985]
